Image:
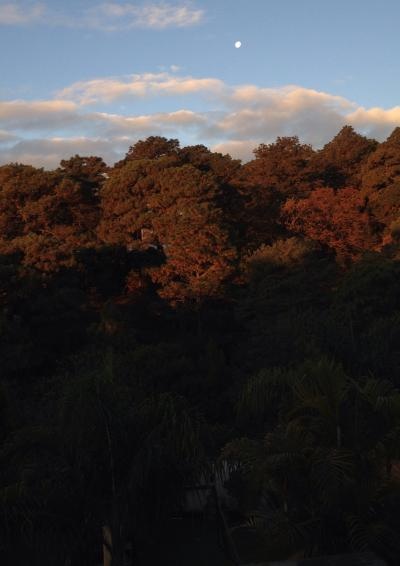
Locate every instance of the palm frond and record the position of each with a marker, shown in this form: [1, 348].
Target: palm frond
[263, 394]
[332, 471]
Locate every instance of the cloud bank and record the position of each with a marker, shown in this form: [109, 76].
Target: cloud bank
[81, 118]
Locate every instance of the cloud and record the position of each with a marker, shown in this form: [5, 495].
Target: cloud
[139, 86]
[49, 152]
[264, 114]
[234, 118]
[170, 123]
[17, 14]
[43, 114]
[56, 115]
[237, 149]
[107, 16]
[7, 138]
[107, 135]
[294, 96]
[377, 121]
[246, 111]
[112, 16]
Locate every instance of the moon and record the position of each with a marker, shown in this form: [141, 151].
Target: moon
[238, 44]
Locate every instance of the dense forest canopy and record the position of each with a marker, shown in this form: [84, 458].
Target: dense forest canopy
[182, 309]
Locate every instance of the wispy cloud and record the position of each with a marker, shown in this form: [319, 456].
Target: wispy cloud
[112, 16]
[137, 86]
[17, 14]
[107, 16]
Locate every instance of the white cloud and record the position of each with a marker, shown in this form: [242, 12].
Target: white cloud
[16, 14]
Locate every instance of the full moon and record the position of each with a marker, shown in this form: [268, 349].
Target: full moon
[238, 44]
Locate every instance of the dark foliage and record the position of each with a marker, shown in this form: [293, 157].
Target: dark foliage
[180, 311]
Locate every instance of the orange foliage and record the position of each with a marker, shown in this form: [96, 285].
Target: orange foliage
[338, 219]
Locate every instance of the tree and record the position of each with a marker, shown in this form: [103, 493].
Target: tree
[125, 200]
[189, 224]
[178, 210]
[338, 219]
[154, 147]
[46, 215]
[382, 167]
[222, 166]
[318, 478]
[287, 284]
[278, 166]
[360, 290]
[20, 186]
[381, 184]
[338, 164]
[89, 172]
[264, 183]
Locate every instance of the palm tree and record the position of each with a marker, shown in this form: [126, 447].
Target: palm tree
[317, 476]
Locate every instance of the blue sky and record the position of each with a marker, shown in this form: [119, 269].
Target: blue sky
[96, 76]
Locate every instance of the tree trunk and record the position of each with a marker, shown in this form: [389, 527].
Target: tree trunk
[113, 545]
[107, 546]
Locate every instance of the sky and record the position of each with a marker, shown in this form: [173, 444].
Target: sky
[93, 77]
